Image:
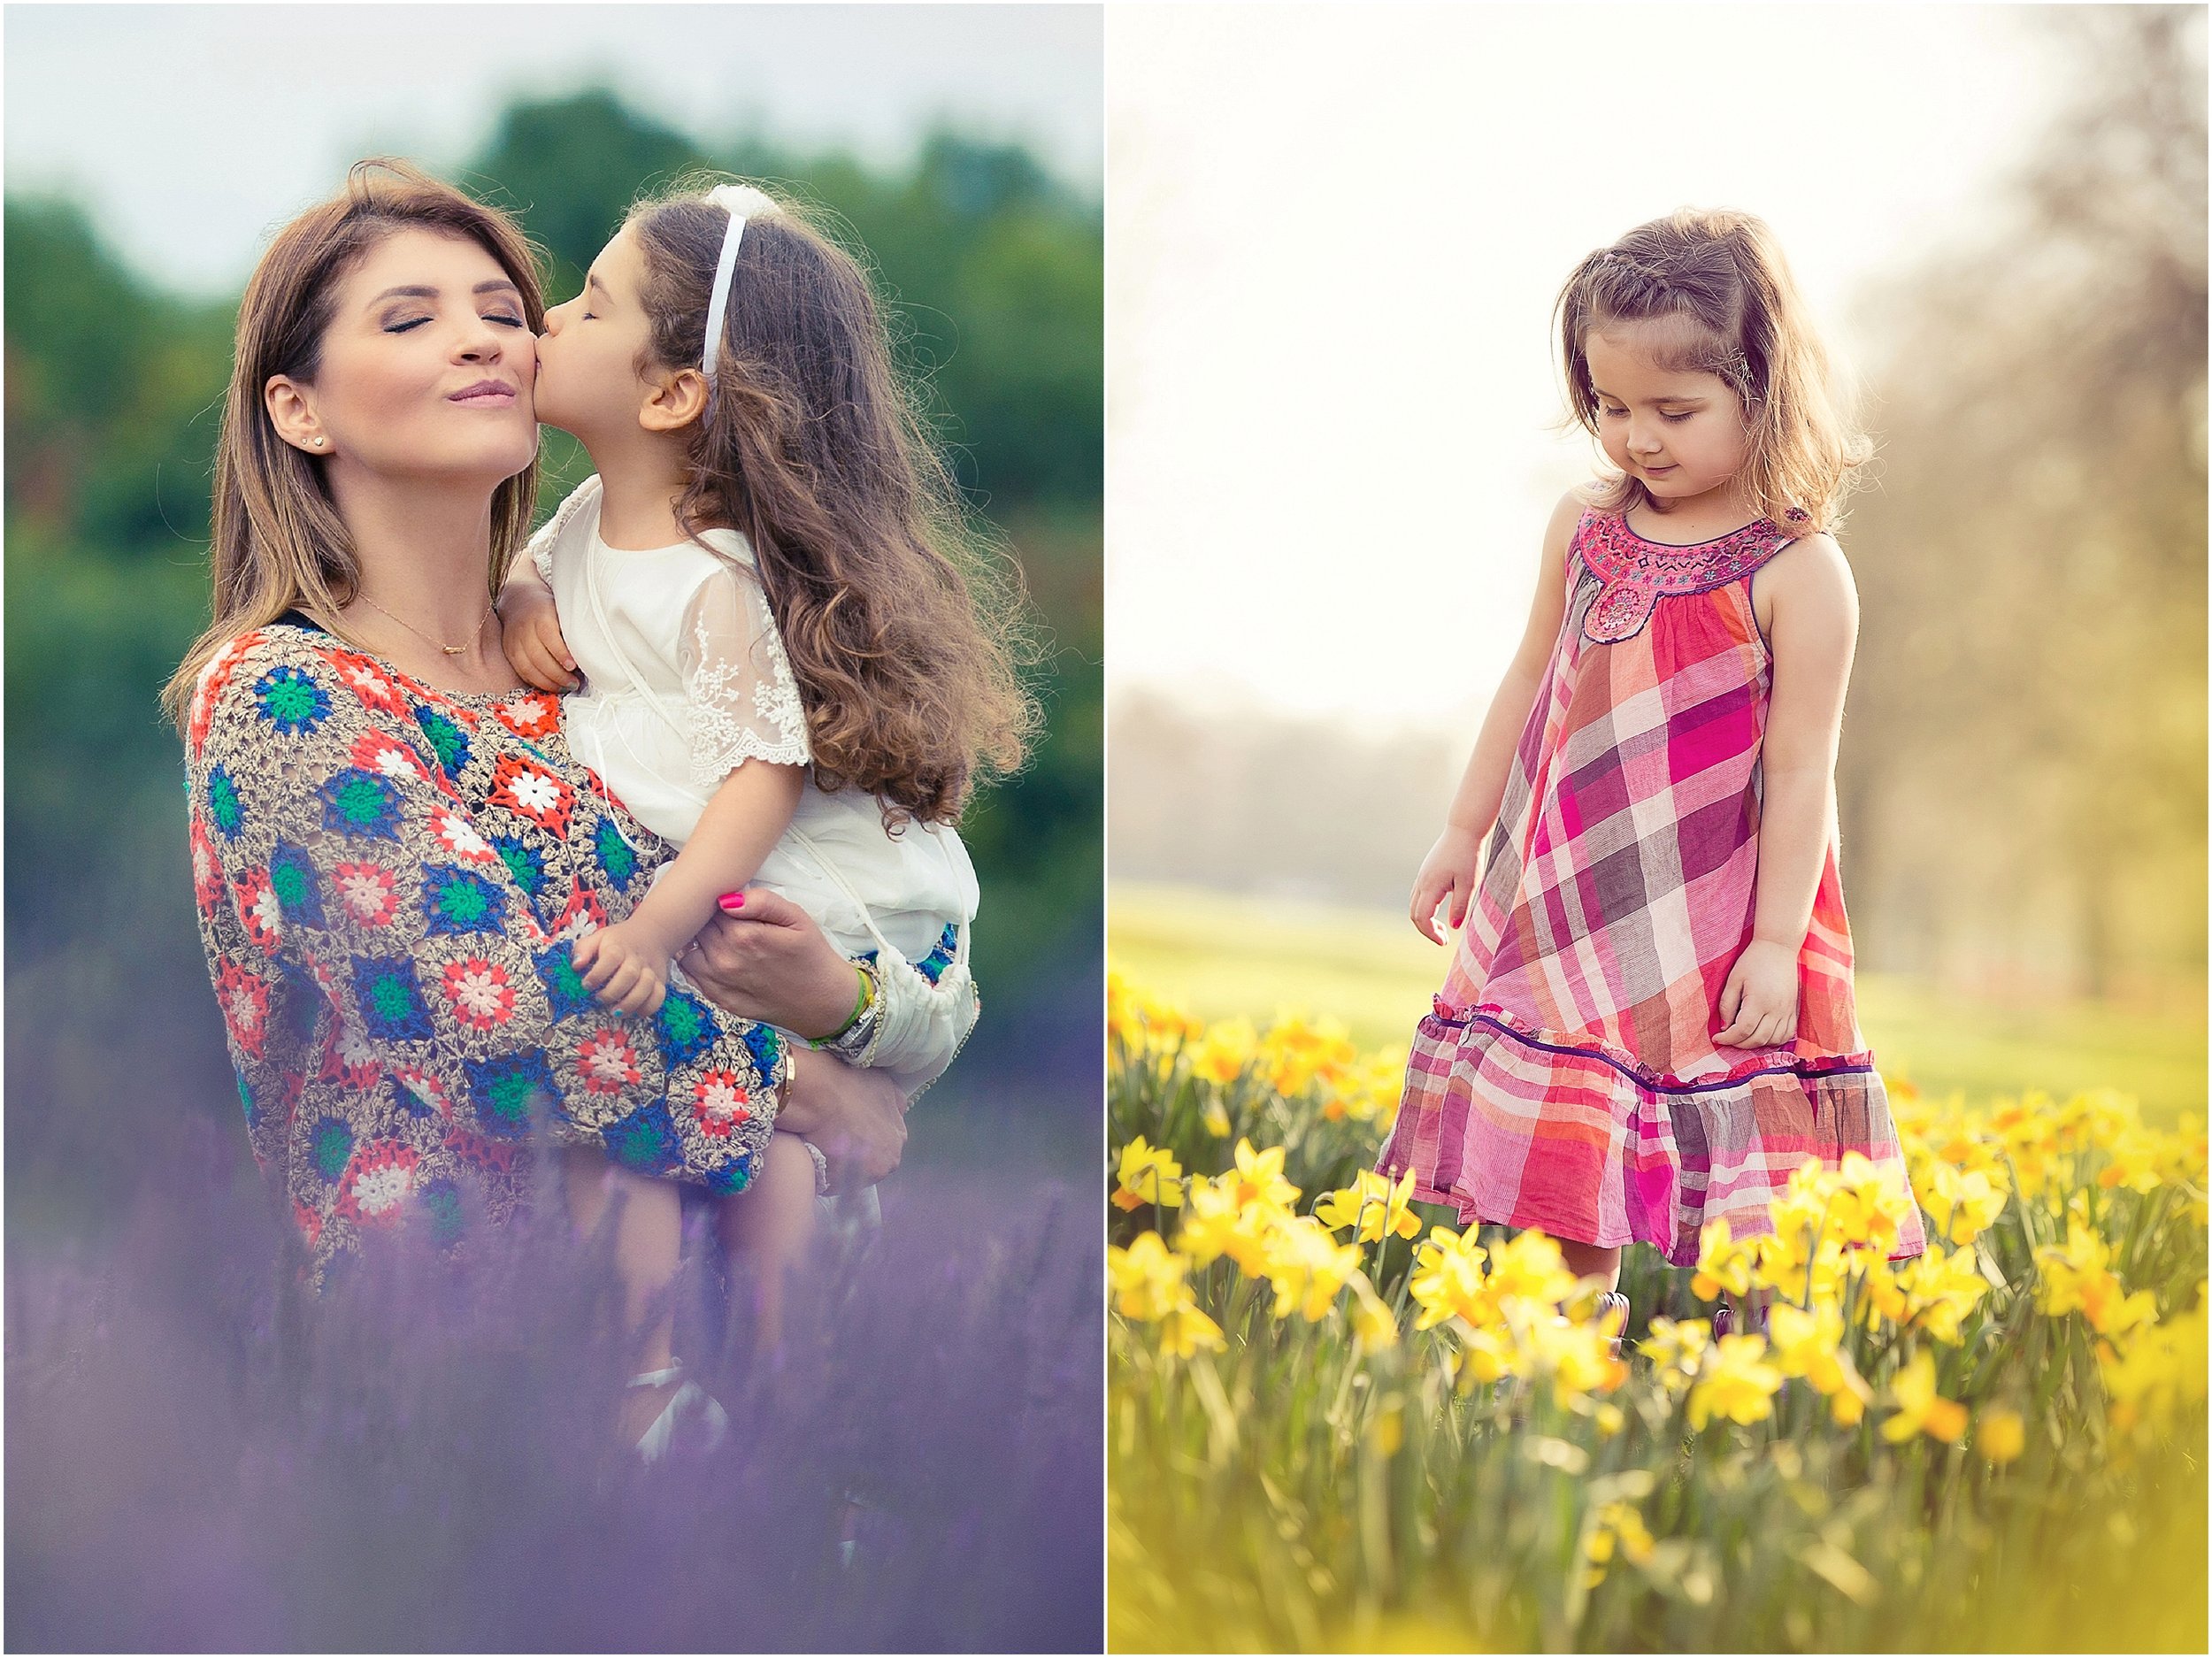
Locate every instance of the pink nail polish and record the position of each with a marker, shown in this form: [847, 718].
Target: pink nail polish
[731, 900]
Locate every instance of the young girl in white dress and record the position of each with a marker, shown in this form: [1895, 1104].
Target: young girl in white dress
[793, 662]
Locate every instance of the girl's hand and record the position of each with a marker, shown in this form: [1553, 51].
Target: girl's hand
[1760, 999]
[531, 633]
[1449, 870]
[625, 966]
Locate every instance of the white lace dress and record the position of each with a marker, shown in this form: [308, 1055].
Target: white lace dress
[685, 679]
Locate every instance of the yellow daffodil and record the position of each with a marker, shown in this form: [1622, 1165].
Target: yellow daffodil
[1257, 1178]
[1920, 1408]
[1677, 1350]
[1722, 1264]
[1940, 1289]
[1963, 1204]
[1735, 1382]
[1216, 1223]
[1868, 1206]
[1186, 1330]
[1999, 1434]
[1374, 1205]
[1147, 1277]
[1621, 1522]
[1447, 1279]
[1578, 1356]
[2073, 1277]
[1486, 1354]
[2159, 1373]
[1149, 1174]
[1810, 1345]
[1222, 1054]
[1308, 1267]
[1528, 1275]
[1374, 1326]
[1295, 1056]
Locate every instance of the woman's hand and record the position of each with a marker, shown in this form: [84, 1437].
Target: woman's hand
[530, 631]
[856, 1117]
[1449, 870]
[765, 959]
[1760, 999]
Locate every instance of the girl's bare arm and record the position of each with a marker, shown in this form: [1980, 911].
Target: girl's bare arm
[740, 826]
[1451, 866]
[1813, 633]
[626, 965]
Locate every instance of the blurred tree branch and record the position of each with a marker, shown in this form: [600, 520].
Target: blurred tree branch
[2024, 766]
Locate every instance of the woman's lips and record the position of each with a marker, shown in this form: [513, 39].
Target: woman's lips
[485, 393]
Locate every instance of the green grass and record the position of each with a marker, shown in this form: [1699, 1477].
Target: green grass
[1219, 955]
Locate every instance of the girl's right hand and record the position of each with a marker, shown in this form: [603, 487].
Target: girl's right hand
[531, 633]
[1449, 870]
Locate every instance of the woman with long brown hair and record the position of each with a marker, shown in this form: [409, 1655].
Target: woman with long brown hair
[393, 849]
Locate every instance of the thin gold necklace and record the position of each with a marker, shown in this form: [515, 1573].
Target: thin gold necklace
[450, 650]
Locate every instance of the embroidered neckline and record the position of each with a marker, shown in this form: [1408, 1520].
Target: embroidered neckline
[1634, 573]
[1691, 547]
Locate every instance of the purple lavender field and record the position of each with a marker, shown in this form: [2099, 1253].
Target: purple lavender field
[200, 1457]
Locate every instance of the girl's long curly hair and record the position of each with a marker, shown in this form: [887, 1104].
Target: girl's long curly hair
[1721, 278]
[904, 621]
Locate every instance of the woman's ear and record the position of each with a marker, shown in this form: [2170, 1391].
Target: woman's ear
[292, 413]
[673, 401]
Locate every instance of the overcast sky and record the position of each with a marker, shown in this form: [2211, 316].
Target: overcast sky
[1336, 237]
[193, 130]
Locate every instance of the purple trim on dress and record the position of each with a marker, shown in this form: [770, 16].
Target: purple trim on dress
[1656, 1082]
[1633, 574]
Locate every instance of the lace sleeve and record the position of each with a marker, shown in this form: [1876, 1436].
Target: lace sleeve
[540, 549]
[743, 702]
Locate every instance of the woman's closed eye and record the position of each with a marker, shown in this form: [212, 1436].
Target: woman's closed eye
[505, 318]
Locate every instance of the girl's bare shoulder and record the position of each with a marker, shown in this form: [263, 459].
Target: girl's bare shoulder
[1811, 564]
[1808, 579]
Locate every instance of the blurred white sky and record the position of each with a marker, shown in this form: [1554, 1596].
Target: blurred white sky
[193, 130]
[1334, 238]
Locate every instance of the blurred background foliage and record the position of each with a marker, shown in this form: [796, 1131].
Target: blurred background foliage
[2021, 775]
[113, 395]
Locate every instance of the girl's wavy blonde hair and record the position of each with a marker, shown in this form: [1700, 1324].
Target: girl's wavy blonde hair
[904, 624]
[1721, 276]
[279, 542]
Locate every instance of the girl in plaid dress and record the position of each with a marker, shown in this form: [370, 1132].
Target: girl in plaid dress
[1648, 1022]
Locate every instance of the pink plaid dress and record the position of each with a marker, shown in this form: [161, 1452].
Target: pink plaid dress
[1568, 1078]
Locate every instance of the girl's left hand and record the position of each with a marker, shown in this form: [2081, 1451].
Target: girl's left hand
[1760, 999]
[624, 966]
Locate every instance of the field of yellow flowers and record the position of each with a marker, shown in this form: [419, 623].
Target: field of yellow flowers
[1333, 1424]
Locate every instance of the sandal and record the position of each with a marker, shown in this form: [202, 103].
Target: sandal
[690, 1400]
[1725, 1321]
[1605, 1303]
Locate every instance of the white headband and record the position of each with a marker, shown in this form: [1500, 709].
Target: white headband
[741, 202]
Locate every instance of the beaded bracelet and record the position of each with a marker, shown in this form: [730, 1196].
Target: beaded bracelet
[860, 1007]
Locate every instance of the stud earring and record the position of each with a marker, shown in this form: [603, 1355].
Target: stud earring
[319, 443]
